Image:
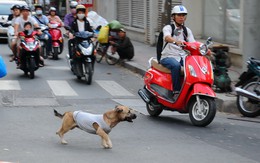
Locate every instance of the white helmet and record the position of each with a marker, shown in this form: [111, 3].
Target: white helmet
[73, 4]
[179, 9]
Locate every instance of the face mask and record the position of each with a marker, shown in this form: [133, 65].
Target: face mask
[80, 16]
[38, 12]
[73, 11]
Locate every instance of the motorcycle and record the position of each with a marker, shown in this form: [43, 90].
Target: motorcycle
[57, 39]
[196, 96]
[29, 52]
[82, 62]
[43, 40]
[248, 89]
[10, 33]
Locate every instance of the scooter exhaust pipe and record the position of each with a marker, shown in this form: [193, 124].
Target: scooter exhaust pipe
[145, 95]
[247, 94]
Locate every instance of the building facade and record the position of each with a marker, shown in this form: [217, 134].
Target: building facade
[231, 22]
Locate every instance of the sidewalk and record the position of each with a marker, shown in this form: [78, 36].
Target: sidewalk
[226, 102]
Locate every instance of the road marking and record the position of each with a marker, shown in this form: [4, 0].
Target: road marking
[113, 88]
[9, 85]
[35, 102]
[57, 67]
[61, 88]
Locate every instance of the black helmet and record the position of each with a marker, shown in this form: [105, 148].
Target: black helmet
[25, 7]
[15, 7]
[27, 23]
[38, 6]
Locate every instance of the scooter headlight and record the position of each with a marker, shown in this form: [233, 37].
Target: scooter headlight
[203, 49]
[192, 71]
[88, 50]
[31, 45]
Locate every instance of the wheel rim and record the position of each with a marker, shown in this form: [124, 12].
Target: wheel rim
[151, 107]
[200, 114]
[246, 104]
[112, 59]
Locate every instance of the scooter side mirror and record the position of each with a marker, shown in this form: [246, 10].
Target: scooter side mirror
[209, 41]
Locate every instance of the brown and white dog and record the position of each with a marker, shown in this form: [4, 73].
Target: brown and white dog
[95, 124]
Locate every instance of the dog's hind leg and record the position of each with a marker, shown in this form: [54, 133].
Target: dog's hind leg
[106, 142]
[68, 123]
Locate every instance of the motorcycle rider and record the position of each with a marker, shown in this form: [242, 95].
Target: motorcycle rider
[69, 18]
[53, 17]
[172, 54]
[19, 25]
[79, 24]
[16, 13]
[42, 19]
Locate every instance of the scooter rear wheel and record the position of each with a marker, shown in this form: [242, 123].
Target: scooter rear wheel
[55, 53]
[32, 67]
[153, 111]
[202, 116]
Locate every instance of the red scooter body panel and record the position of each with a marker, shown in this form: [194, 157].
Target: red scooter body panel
[159, 78]
[202, 67]
[56, 34]
[28, 39]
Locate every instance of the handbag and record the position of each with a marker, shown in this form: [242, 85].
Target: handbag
[103, 34]
[3, 71]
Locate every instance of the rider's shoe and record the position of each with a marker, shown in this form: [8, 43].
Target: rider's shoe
[12, 59]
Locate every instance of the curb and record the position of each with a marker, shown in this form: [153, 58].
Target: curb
[224, 103]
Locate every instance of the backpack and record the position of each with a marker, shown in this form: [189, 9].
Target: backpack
[160, 41]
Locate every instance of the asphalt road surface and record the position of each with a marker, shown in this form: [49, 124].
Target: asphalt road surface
[28, 126]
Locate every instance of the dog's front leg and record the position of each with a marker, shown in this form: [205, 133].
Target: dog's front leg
[106, 142]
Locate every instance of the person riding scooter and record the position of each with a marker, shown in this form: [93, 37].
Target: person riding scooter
[172, 54]
[19, 25]
[79, 24]
[16, 13]
[54, 17]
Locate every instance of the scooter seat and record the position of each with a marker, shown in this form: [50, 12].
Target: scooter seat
[161, 68]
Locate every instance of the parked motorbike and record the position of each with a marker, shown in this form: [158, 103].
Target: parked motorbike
[29, 52]
[57, 39]
[248, 89]
[82, 62]
[196, 96]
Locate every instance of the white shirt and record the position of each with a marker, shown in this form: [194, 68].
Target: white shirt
[172, 50]
[81, 25]
[85, 121]
[20, 21]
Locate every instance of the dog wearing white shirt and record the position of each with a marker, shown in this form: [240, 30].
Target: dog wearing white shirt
[100, 124]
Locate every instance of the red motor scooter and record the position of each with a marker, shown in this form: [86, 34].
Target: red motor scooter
[196, 96]
[57, 39]
[29, 52]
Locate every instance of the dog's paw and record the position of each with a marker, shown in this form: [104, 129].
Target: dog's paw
[109, 143]
[64, 142]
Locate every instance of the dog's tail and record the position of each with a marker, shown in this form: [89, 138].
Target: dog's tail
[57, 114]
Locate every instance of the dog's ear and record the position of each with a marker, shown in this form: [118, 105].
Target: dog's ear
[118, 110]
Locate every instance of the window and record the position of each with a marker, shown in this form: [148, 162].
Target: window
[131, 13]
[222, 20]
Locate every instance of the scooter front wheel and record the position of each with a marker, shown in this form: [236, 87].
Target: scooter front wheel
[153, 110]
[204, 115]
